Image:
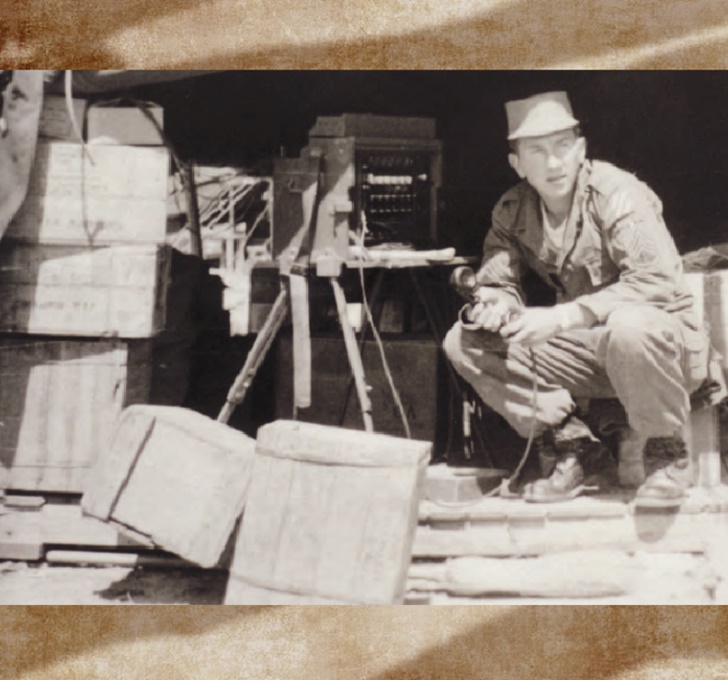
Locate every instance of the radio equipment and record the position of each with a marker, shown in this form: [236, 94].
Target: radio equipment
[378, 178]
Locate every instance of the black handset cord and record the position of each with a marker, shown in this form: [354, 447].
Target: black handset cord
[505, 487]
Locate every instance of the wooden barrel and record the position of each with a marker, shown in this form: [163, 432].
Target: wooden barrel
[330, 517]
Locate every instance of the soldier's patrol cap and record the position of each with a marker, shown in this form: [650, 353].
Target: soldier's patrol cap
[539, 115]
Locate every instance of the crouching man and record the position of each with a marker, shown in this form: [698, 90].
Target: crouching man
[623, 326]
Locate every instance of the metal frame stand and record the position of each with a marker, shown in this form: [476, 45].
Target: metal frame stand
[264, 342]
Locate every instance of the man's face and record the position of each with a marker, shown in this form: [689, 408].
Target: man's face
[550, 163]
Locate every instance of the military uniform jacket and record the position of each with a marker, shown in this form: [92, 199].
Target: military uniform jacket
[616, 251]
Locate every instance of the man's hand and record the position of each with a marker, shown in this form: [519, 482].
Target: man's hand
[489, 316]
[533, 326]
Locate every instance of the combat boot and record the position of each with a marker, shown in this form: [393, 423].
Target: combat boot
[668, 471]
[570, 465]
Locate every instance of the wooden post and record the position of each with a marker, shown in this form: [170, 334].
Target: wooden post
[355, 361]
[193, 211]
[702, 438]
[256, 356]
[373, 300]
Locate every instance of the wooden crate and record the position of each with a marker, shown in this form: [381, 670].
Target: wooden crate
[66, 169]
[127, 125]
[107, 195]
[703, 431]
[78, 290]
[89, 221]
[176, 476]
[59, 402]
[330, 517]
[55, 123]
[715, 290]
[710, 290]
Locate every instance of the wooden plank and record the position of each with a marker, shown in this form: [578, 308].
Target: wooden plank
[108, 477]
[451, 485]
[174, 475]
[490, 539]
[614, 505]
[331, 517]
[300, 317]
[352, 352]
[24, 435]
[715, 310]
[313, 443]
[584, 574]
[20, 537]
[67, 525]
[339, 547]
[301, 532]
[265, 515]
[678, 532]
[15, 501]
[61, 452]
[25, 533]
[382, 564]
[117, 559]
[701, 434]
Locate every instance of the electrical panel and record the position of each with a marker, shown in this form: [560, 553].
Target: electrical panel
[376, 180]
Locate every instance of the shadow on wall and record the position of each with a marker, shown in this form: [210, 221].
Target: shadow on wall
[377, 643]
[516, 34]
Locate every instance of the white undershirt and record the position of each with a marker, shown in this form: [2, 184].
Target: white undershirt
[571, 314]
[553, 235]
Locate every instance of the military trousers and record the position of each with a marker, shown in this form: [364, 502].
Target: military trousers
[645, 357]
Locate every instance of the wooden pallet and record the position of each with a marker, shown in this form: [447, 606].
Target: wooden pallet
[29, 525]
[589, 550]
[496, 527]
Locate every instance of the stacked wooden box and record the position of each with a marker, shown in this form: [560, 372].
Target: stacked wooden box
[83, 286]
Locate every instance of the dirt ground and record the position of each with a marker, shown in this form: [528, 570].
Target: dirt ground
[41, 583]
